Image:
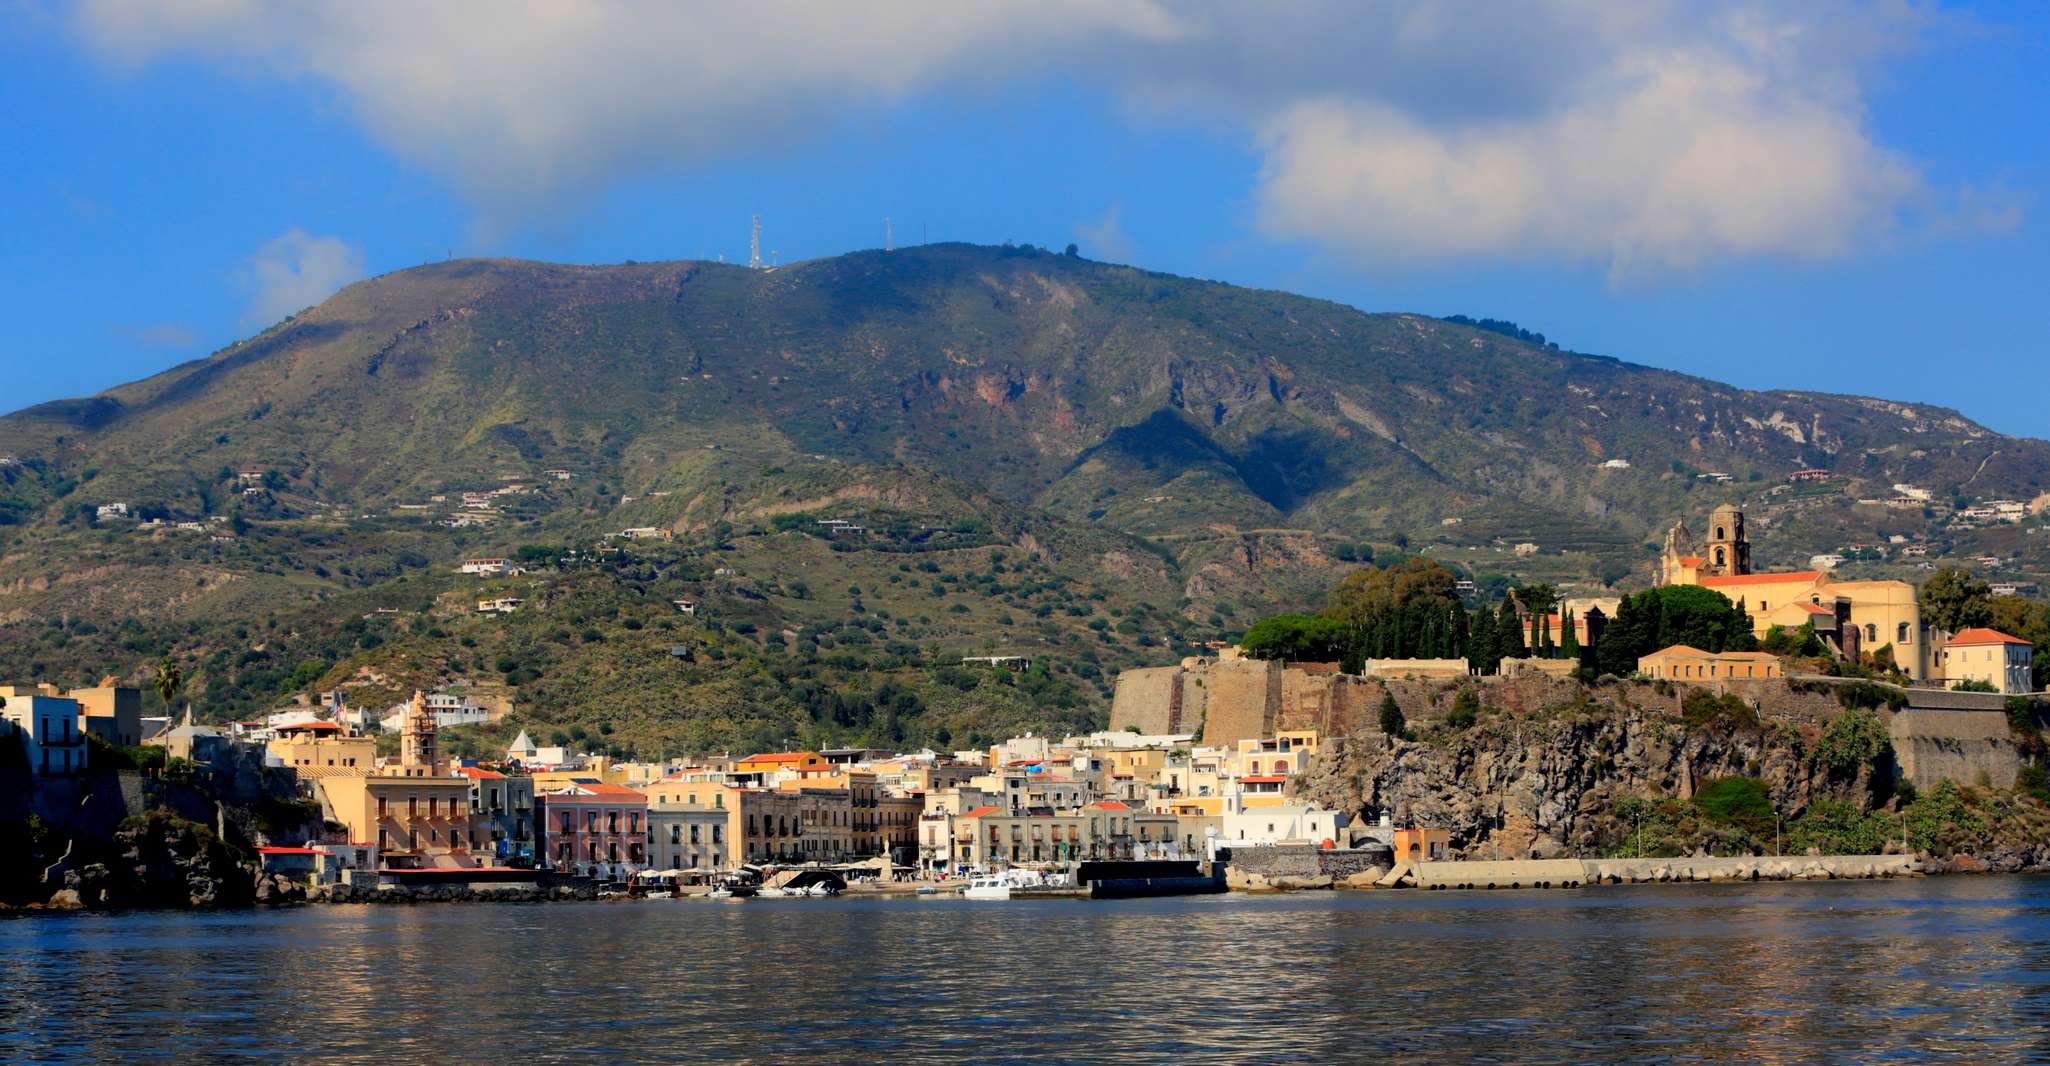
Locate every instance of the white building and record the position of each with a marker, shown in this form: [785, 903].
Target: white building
[500, 605]
[485, 566]
[49, 731]
[1292, 823]
[448, 710]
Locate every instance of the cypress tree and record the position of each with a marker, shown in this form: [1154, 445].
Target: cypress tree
[1509, 632]
[1480, 642]
[1569, 641]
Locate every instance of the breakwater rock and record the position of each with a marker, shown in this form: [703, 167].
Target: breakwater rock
[455, 893]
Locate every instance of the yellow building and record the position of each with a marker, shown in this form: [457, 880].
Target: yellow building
[415, 811]
[1682, 663]
[1992, 657]
[1883, 614]
[323, 749]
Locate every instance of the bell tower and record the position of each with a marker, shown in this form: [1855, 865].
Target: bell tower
[1728, 551]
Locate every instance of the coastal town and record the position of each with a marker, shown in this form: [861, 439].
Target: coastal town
[1201, 768]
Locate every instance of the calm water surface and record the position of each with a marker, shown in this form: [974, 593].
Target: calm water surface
[1946, 969]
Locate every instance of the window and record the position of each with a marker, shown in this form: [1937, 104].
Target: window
[383, 807]
[412, 806]
[1871, 633]
[1901, 633]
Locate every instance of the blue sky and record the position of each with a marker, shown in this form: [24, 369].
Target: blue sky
[1851, 200]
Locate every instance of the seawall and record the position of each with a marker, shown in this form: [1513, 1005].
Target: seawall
[1574, 873]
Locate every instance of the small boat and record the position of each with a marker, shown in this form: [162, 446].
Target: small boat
[779, 893]
[719, 892]
[987, 886]
[821, 889]
[928, 890]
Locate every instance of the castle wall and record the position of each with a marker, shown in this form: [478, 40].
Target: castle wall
[1244, 700]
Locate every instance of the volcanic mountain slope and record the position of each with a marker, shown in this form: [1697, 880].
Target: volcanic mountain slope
[1101, 458]
[1051, 381]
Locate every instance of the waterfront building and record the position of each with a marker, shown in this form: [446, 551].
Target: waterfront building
[414, 811]
[502, 807]
[683, 836]
[1423, 845]
[989, 836]
[592, 829]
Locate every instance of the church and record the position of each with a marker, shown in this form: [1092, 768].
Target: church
[1853, 617]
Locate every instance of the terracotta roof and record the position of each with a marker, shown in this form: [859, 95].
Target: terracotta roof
[286, 851]
[1816, 608]
[1691, 560]
[1690, 651]
[1982, 635]
[1263, 779]
[477, 773]
[1112, 805]
[980, 812]
[1760, 579]
[782, 756]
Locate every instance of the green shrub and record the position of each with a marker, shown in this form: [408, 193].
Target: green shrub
[1974, 685]
[1737, 801]
[1835, 827]
[1702, 709]
[1466, 709]
[1855, 739]
[1942, 823]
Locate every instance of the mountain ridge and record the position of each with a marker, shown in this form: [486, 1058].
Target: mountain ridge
[1166, 458]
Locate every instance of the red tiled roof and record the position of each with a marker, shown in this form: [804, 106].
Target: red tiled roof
[1112, 805]
[1264, 779]
[1982, 635]
[286, 851]
[478, 773]
[980, 812]
[1816, 608]
[1760, 579]
[782, 756]
[1691, 560]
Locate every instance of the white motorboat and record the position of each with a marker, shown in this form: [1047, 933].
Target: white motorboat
[987, 886]
[719, 892]
[821, 889]
[779, 893]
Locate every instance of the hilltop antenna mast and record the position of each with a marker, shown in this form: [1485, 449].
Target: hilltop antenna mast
[887, 235]
[754, 245]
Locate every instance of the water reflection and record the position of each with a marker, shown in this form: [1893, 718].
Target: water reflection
[1944, 969]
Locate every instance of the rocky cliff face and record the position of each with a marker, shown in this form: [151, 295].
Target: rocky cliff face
[159, 860]
[1548, 784]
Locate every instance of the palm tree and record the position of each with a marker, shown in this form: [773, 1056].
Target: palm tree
[168, 680]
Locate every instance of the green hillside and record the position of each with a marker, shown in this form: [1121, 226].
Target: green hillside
[1090, 464]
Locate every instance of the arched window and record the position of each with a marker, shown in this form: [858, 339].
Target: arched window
[1719, 533]
[1719, 557]
[1901, 632]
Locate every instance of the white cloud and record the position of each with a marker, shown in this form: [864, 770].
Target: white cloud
[161, 335]
[522, 105]
[1649, 136]
[1106, 238]
[294, 271]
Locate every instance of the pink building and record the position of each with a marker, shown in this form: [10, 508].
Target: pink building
[593, 829]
